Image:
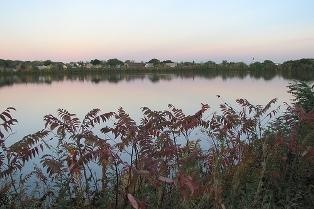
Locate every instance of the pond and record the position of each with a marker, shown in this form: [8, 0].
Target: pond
[35, 96]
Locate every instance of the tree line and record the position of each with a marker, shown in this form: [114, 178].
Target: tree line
[48, 65]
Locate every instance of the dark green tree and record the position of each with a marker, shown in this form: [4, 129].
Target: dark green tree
[114, 62]
[154, 61]
[210, 63]
[167, 61]
[47, 62]
[303, 94]
[95, 62]
[256, 66]
[224, 62]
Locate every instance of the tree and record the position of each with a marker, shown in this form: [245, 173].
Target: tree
[303, 94]
[224, 62]
[187, 63]
[269, 65]
[256, 66]
[95, 62]
[47, 62]
[167, 61]
[210, 63]
[154, 61]
[268, 62]
[114, 62]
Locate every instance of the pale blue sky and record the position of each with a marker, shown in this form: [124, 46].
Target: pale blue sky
[200, 30]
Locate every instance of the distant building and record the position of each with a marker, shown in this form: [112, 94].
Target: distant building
[88, 66]
[75, 65]
[149, 65]
[171, 64]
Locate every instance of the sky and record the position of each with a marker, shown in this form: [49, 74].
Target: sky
[180, 30]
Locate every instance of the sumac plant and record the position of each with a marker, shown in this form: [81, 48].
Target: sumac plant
[13, 158]
[256, 158]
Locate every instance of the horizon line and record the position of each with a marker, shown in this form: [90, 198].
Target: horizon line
[136, 61]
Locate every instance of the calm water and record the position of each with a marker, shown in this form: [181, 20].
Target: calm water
[34, 98]
[37, 95]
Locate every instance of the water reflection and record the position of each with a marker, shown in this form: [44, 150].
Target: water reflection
[116, 77]
[79, 92]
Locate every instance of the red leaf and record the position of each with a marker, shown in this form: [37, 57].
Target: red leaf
[191, 186]
[308, 153]
[133, 201]
[142, 205]
[3, 118]
[8, 115]
[53, 126]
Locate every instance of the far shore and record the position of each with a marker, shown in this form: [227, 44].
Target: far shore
[154, 65]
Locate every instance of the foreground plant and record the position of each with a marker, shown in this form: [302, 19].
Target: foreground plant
[242, 156]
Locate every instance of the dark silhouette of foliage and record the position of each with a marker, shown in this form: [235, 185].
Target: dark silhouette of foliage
[95, 62]
[114, 62]
[154, 61]
[6, 121]
[167, 61]
[47, 62]
[303, 95]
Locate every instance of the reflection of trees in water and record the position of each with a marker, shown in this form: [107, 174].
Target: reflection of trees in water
[115, 77]
[155, 77]
[265, 74]
[304, 75]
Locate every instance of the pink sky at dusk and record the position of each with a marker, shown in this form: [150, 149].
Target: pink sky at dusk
[181, 31]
